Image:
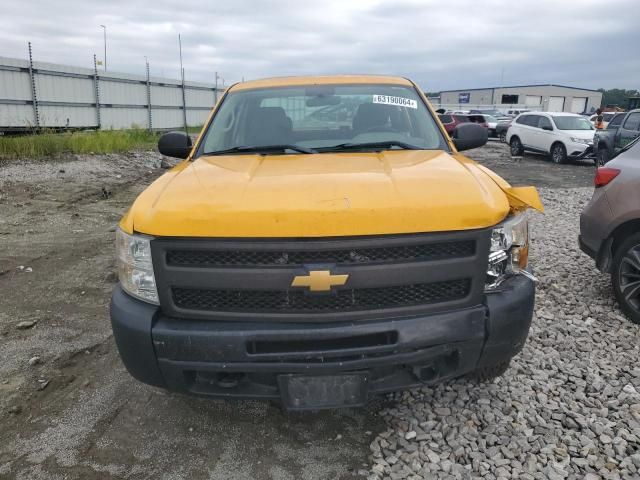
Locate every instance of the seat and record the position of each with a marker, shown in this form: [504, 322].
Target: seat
[370, 116]
[399, 120]
[269, 126]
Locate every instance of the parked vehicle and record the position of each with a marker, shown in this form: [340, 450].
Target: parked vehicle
[479, 119]
[502, 128]
[610, 226]
[622, 129]
[606, 118]
[319, 267]
[450, 121]
[515, 113]
[561, 135]
[491, 122]
[494, 113]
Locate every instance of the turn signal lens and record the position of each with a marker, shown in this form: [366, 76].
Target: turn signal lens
[604, 175]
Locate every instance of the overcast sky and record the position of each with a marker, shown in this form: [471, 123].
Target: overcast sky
[441, 44]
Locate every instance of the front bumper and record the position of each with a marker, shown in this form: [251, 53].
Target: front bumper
[577, 151]
[251, 359]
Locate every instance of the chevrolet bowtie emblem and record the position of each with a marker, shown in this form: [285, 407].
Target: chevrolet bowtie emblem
[319, 280]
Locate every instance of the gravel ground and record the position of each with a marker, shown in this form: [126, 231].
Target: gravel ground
[567, 408]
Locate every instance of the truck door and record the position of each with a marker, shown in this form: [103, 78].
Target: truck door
[629, 130]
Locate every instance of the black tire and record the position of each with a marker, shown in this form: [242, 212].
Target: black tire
[602, 157]
[625, 277]
[558, 153]
[503, 137]
[517, 150]
[487, 374]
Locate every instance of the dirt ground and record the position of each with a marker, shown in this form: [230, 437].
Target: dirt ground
[68, 408]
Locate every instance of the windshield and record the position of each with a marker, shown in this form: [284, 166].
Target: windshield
[572, 123]
[491, 119]
[322, 117]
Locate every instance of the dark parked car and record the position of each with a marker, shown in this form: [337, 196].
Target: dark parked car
[610, 226]
[451, 121]
[621, 130]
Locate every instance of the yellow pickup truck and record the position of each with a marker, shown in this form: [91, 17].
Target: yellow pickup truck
[322, 242]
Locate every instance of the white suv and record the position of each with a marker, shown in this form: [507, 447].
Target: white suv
[562, 135]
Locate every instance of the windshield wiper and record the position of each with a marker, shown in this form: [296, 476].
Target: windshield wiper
[371, 145]
[263, 149]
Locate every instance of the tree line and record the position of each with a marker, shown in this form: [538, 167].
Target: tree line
[617, 96]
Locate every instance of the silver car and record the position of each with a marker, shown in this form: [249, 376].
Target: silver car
[610, 227]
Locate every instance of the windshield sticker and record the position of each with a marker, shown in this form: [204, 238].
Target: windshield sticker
[396, 101]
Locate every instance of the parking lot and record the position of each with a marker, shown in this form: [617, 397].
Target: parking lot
[568, 407]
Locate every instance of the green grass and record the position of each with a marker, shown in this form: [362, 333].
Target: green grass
[51, 144]
[196, 129]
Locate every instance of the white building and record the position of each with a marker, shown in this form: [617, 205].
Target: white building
[547, 98]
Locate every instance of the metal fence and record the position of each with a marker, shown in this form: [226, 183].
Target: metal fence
[465, 107]
[43, 95]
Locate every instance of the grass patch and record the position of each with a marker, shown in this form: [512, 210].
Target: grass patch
[50, 144]
[196, 129]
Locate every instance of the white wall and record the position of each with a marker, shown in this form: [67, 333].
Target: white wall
[493, 97]
[66, 97]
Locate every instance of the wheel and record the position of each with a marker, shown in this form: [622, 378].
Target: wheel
[486, 374]
[625, 277]
[503, 137]
[558, 153]
[602, 157]
[516, 147]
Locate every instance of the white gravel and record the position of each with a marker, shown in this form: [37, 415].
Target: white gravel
[568, 408]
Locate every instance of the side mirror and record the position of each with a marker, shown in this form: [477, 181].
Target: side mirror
[549, 128]
[469, 135]
[175, 144]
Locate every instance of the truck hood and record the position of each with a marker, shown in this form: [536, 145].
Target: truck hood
[332, 194]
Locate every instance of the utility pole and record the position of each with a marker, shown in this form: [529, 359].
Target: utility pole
[104, 30]
[34, 91]
[215, 92]
[149, 120]
[184, 99]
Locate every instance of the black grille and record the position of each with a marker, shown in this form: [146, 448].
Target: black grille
[407, 253]
[295, 301]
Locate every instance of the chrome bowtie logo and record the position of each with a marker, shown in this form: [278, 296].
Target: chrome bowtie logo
[319, 280]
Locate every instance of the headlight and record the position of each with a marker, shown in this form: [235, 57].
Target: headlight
[509, 252]
[581, 140]
[135, 269]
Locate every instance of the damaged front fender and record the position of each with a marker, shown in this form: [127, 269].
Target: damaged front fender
[521, 198]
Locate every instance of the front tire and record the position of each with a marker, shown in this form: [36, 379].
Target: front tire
[517, 150]
[625, 277]
[558, 153]
[503, 137]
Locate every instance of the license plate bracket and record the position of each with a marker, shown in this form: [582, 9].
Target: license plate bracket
[317, 392]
